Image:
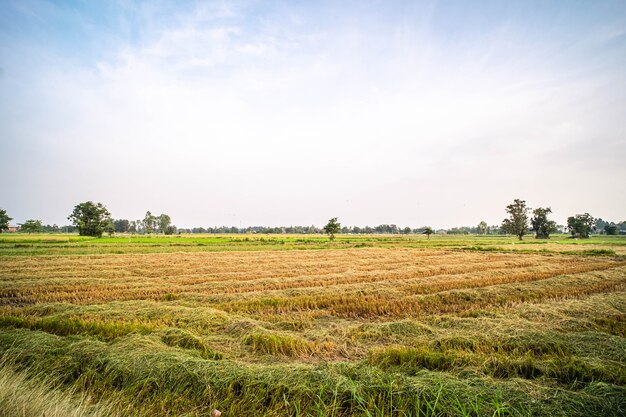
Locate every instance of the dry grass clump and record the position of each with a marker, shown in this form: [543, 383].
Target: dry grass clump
[564, 369]
[279, 344]
[105, 330]
[418, 357]
[185, 340]
[613, 324]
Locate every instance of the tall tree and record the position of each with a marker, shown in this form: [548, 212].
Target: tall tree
[428, 231]
[482, 227]
[149, 222]
[164, 221]
[332, 227]
[517, 223]
[581, 225]
[540, 223]
[31, 226]
[4, 220]
[90, 218]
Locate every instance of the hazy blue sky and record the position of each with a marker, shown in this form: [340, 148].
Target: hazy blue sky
[276, 113]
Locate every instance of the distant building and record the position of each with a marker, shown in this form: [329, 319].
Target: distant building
[13, 229]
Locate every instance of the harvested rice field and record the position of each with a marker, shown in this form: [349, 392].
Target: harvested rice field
[298, 326]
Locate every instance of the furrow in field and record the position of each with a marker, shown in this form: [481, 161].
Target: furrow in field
[355, 304]
[301, 280]
[172, 265]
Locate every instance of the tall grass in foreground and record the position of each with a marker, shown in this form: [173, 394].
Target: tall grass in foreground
[21, 396]
[157, 380]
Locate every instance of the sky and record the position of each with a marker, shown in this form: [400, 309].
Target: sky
[275, 113]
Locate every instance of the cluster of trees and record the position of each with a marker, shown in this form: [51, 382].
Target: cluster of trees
[254, 229]
[481, 229]
[33, 226]
[333, 227]
[53, 228]
[93, 219]
[581, 225]
[519, 223]
[609, 228]
[149, 224]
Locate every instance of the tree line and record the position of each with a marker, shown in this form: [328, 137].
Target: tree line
[354, 230]
[94, 219]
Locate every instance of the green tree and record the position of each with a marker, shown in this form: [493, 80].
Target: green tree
[109, 228]
[4, 220]
[31, 226]
[139, 226]
[90, 218]
[517, 223]
[581, 225]
[121, 226]
[428, 231]
[406, 230]
[540, 223]
[170, 230]
[611, 229]
[482, 227]
[164, 221]
[332, 227]
[149, 223]
[600, 223]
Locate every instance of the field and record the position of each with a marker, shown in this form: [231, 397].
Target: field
[299, 326]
